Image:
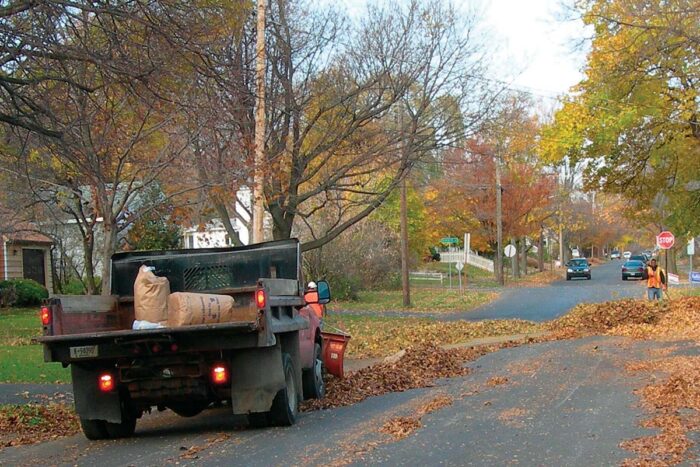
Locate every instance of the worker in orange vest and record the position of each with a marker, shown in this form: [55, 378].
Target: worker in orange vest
[656, 280]
[311, 298]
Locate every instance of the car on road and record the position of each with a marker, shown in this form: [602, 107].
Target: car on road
[627, 254]
[615, 254]
[578, 267]
[633, 269]
[639, 257]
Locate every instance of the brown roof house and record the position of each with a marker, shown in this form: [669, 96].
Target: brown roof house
[26, 254]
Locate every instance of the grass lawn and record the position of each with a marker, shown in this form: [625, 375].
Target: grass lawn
[374, 336]
[423, 300]
[21, 361]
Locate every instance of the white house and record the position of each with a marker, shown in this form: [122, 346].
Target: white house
[214, 235]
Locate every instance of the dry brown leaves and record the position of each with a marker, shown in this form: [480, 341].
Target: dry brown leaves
[599, 318]
[513, 417]
[193, 451]
[496, 381]
[401, 427]
[419, 367]
[669, 400]
[32, 423]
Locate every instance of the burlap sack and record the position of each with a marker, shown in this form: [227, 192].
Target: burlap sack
[186, 308]
[151, 297]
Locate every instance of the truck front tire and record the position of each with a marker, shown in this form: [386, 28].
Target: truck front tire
[314, 387]
[286, 404]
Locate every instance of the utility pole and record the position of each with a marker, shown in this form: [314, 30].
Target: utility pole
[499, 223]
[259, 176]
[405, 285]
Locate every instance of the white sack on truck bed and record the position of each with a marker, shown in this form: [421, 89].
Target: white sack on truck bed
[151, 296]
[186, 308]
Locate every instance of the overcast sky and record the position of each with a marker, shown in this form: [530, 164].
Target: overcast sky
[535, 49]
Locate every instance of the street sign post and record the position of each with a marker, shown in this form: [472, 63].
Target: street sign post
[459, 265]
[509, 251]
[691, 252]
[449, 240]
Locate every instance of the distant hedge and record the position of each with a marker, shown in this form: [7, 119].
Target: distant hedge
[22, 292]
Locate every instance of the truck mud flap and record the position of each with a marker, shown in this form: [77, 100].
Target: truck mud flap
[90, 402]
[256, 377]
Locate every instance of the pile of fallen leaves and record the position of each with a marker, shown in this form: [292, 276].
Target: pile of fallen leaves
[32, 423]
[679, 319]
[600, 318]
[386, 336]
[675, 319]
[419, 367]
[674, 403]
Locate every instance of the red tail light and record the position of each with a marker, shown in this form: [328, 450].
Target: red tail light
[624, 269]
[219, 374]
[106, 382]
[45, 315]
[260, 298]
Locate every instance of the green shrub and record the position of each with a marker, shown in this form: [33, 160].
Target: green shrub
[73, 287]
[22, 292]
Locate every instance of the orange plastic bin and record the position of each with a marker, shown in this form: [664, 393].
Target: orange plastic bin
[334, 345]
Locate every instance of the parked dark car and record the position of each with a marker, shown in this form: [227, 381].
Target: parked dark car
[578, 267]
[634, 269]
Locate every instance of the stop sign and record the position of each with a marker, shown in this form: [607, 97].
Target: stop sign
[665, 240]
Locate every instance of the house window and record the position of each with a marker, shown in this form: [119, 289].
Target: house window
[227, 239]
[33, 265]
[190, 241]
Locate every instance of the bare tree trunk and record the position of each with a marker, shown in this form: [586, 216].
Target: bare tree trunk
[405, 285]
[108, 249]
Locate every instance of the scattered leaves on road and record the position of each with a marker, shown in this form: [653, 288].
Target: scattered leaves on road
[513, 417]
[419, 367]
[193, 451]
[674, 403]
[32, 423]
[496, 381]
[401, 427]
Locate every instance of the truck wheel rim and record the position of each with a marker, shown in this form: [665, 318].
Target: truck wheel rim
[291, 393]
[318, 374]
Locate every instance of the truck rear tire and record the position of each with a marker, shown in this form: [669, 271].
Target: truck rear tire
[286, 404]
[125, 429]
[314, 387]
[94, 429]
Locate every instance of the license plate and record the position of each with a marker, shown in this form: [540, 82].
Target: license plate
[634, 274]
[84, 351]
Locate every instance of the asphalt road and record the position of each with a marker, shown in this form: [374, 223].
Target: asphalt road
[541, 303]
[545, 303]
[563, 403]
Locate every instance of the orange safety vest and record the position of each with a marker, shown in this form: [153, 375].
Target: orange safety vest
[654, 277]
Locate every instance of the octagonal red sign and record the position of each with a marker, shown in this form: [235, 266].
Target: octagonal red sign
[665, 240]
